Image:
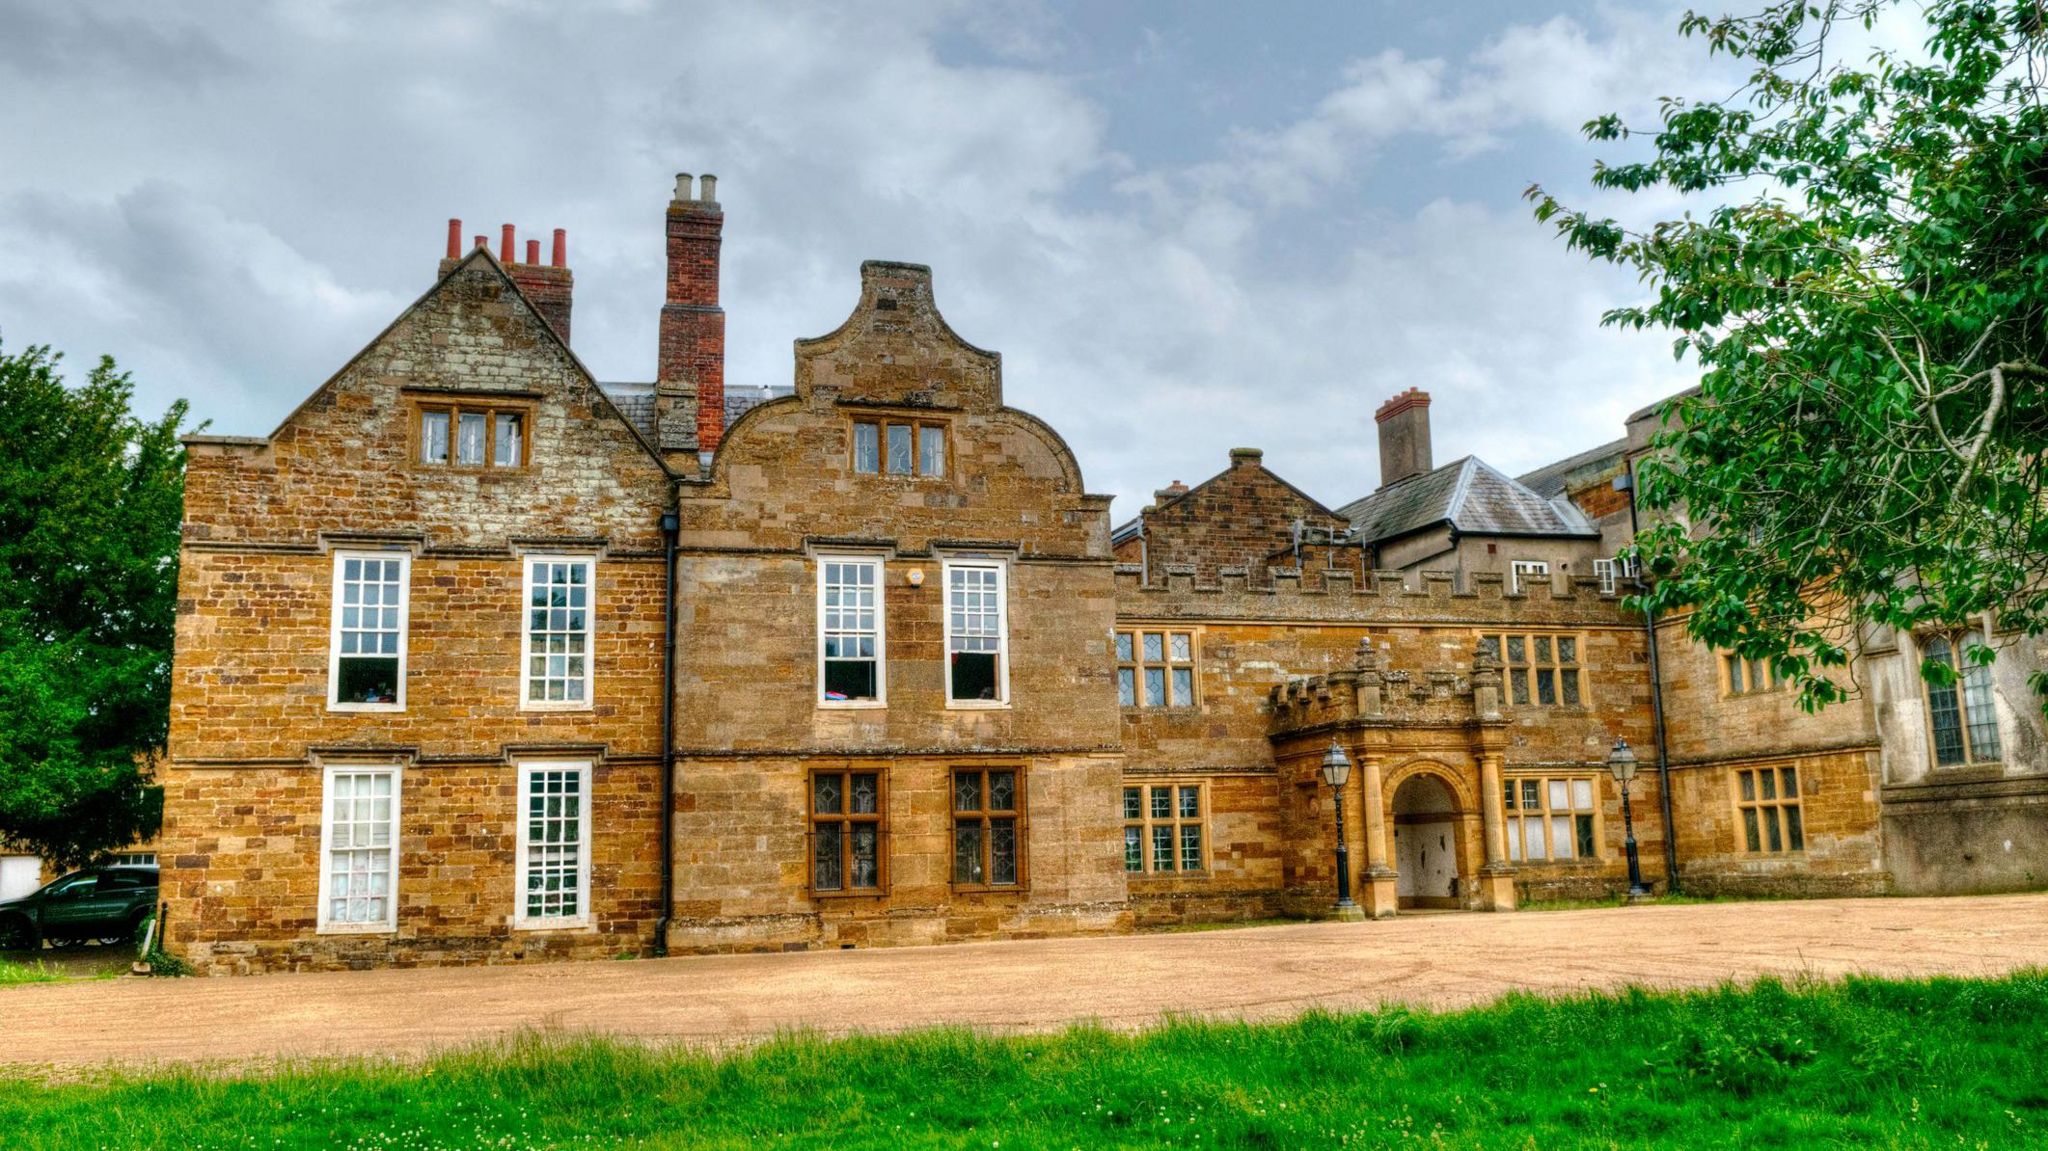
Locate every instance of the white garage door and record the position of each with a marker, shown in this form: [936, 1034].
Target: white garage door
[19, 875]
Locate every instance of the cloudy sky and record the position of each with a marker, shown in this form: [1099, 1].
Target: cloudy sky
[1186, 227]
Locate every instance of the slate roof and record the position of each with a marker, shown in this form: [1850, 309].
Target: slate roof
[635, 401]
[1549, 480]
[1469, 495]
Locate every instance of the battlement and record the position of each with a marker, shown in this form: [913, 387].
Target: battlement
[1370, 691]
[1340, 596]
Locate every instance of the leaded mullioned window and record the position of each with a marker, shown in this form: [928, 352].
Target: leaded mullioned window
[847, 824]
[988, 809]
[1540, 669]
[1962, 716]
[1155, 669]
[1163, 828]
[1767, 801]
[1549, 818]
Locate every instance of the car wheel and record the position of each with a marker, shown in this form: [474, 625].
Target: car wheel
[130, 933]
[17, 934]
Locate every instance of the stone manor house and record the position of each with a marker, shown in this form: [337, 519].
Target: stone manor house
[481, 659]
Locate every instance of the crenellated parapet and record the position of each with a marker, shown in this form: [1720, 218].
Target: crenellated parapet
[1332, 596]
[1371, 692]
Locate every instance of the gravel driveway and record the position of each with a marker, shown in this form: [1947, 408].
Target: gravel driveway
[1440, 960]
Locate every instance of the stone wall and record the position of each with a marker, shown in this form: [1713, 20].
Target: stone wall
[1243, 517]
[1838, 804]
[752, 721]
[251, 727]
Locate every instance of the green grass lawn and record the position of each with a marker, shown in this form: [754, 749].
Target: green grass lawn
[33, 971]
[1864, 1063]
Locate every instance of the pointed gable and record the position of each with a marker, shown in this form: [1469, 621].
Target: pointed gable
[350, 456]
[1244, 517]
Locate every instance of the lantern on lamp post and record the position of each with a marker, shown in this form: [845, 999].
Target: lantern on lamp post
[1336, 770]
[1621, 762]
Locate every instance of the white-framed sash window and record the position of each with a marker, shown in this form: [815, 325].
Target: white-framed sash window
[553, 845]
[367, 632]
[977, 634]
[1521, 573]
[852, 660]
[558, 609]
[359, 849]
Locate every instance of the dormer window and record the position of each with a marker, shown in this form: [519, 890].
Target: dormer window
[472, 436]
[899, 448]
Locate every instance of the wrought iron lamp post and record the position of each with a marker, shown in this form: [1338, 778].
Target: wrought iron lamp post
[1336, 770]
[1622, 763]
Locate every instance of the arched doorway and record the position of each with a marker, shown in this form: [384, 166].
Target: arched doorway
[1426, 843]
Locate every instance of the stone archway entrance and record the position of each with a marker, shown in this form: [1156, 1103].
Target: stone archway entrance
[1426, 824]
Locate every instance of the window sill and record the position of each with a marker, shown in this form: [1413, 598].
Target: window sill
[858, 893]
[977, 705]
[989, 889]
[584, 705]
[366, 707]
[582, 923]
[852, 704]
[1151, 875]
[356, 929]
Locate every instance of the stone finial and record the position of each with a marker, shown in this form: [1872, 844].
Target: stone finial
[1486, 681]
[1370, 684]
[1366, 658]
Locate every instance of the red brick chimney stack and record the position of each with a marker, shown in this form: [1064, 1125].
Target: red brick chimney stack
[1404, 436]
[692, 324]
[549, 288]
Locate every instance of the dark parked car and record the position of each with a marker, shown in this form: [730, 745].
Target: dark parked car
[104, 903]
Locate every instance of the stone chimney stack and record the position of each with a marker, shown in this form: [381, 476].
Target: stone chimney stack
[549, 287]
[1404, 437]
[691, 363]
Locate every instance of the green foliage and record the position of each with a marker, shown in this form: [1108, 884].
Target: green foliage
[90, 498]
[1863, 1063]
[1866, 292]
[35, 971]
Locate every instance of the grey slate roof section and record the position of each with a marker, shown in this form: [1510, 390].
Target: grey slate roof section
[1549, 480]
[1469, 495]
[740, 400]
[635, 402]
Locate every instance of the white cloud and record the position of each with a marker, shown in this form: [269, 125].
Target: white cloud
[233, 234]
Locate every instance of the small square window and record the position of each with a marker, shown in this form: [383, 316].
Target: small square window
[472, 436]
[1163, 829]
[1162, 662]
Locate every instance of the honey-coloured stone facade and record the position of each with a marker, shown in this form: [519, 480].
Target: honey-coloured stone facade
[1004, 634]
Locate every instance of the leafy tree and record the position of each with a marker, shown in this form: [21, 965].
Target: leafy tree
[1866, 293]
[90, 498]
